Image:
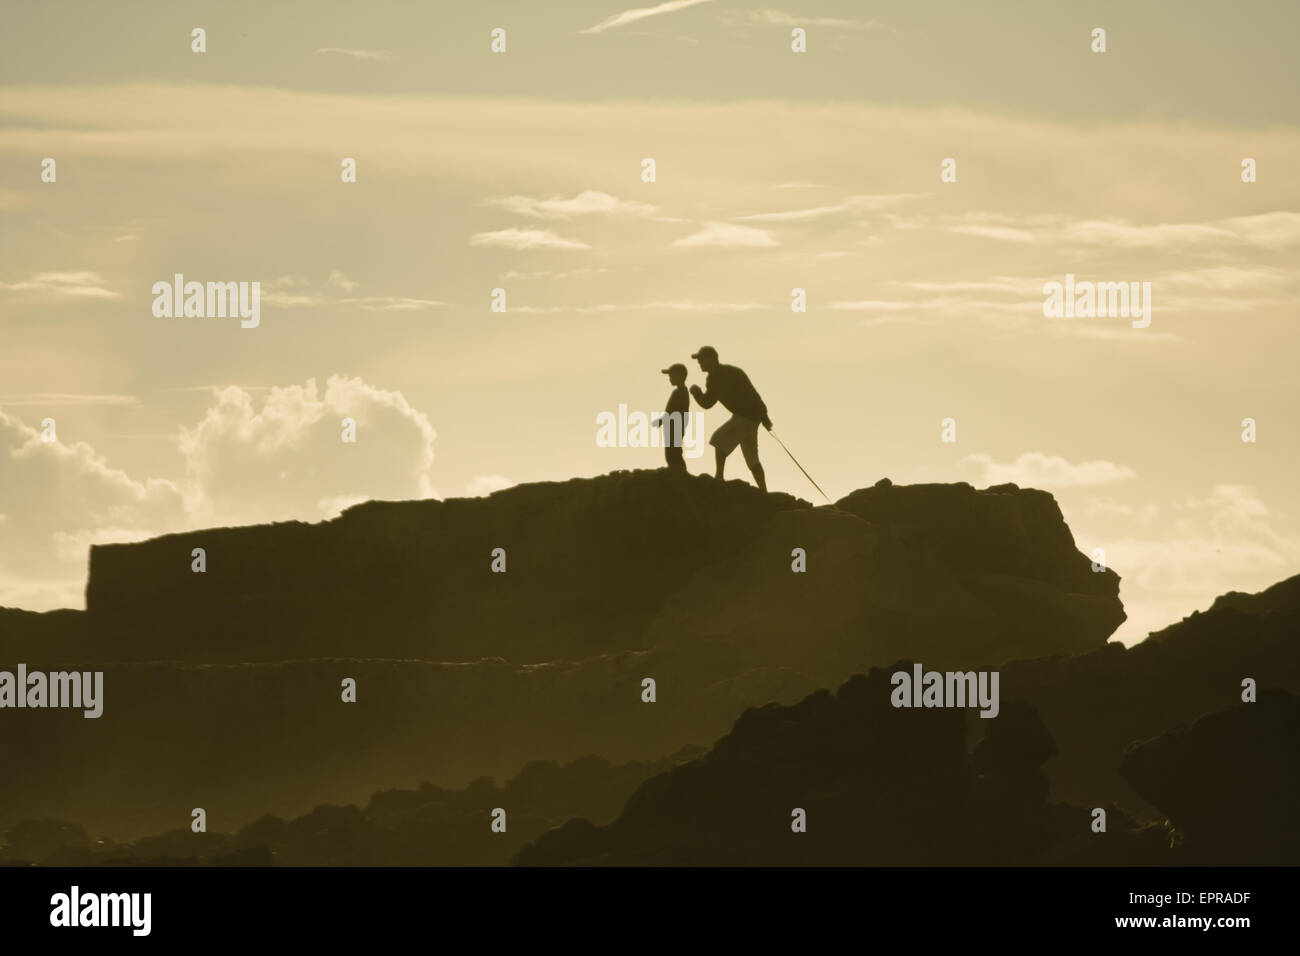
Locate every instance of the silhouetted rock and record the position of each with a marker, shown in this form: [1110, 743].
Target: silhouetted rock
[589, 561]
[37, 840]
[878, 785]
[235, 673]
[1098, 703]
[424, 826]
[1230, 782]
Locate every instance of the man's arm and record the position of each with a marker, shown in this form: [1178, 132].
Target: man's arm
[704, 398]
[759, 405]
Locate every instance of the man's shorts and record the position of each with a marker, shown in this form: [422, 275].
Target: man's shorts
[737, 430]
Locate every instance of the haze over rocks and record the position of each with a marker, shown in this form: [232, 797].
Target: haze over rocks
[222, 688]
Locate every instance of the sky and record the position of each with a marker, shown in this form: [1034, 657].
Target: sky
[522, 170]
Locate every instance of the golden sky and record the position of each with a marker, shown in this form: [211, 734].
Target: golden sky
[774, 171]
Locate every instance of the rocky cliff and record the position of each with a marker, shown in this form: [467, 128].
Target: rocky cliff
[223, 688]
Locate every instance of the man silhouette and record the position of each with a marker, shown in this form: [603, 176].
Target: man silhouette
[731, 386]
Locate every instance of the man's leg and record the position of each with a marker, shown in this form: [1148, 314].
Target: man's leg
[749, 448]
[724, 441]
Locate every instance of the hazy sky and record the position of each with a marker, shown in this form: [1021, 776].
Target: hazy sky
[775, 171]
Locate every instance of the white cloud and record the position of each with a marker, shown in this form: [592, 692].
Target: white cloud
[727, 235]
[586, 203]
[641, 13]
[1009, 284]
[293, 300]
[278, 458]
[1005, 233]
[56, 494]
[553, 274]
[339, 282]
[524, 239]
[86, 285]
[247, 460]
[336, 284]
[1177, 557]
[694, 305]
[357, 54]
[1229, 278]
[850, 204]
[1272, 230]
[780, 18]
[1036, 470]
[392, 303]
[41, 399]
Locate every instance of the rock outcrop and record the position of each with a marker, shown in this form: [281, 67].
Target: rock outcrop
[1230, 782]
[222, 688]
[848, 779]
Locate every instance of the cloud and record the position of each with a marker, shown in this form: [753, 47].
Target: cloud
[1272, 230]
[293, 300]
[525, 239]
[1005, 233]
[1178, 556]
[1011, 285]
[847, 205]
[486, 484]
[56, 495]
[302, 297]
[1229, 278]
[1118, 232]
[338, 281]
[1078, 330]
[357, 54]
[1035, 470]
[671, 305]
[391, 303]
[779, 18]
[279, 457]
[89, 285]
[247, 460]
[290, 282]
[727, 235]
[586, 203]
[40, 399]
[694, 305]
[641, 13]
[554, 274]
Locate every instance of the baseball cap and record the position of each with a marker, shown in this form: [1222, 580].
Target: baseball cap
[675, 367]
[705, 350]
